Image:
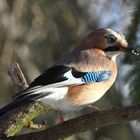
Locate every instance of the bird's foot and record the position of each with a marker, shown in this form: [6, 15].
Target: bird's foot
[60, 118]
[37, 126]
[94, 108]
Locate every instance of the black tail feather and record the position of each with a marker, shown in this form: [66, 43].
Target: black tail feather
[10, 107]
[27, 98]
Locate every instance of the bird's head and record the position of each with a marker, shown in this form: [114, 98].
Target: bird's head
[110, 41]
[115, 43]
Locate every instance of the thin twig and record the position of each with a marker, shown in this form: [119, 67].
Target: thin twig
[17, 78]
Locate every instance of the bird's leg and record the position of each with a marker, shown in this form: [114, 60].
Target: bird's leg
[60, 118]
[93, 108]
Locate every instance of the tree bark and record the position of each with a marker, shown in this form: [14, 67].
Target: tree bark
[85, 122]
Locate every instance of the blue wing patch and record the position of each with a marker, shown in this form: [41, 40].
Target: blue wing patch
[98, 76]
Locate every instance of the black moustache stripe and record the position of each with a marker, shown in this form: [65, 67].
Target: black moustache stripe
[111, 49]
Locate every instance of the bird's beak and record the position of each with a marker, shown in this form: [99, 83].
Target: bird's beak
[130, 50]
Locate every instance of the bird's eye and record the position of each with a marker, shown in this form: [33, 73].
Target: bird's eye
[111, 39]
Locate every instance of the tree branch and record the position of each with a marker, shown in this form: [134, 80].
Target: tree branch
[17, 78]
[85, 122]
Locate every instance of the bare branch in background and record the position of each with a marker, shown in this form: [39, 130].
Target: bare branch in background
[17, 78]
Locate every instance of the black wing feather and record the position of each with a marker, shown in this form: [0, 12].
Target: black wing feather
[52, 75]
[77, 74]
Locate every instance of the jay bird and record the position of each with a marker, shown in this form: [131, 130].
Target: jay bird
[81, 77]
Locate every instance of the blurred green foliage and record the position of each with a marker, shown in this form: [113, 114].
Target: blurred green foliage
[133, 75]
